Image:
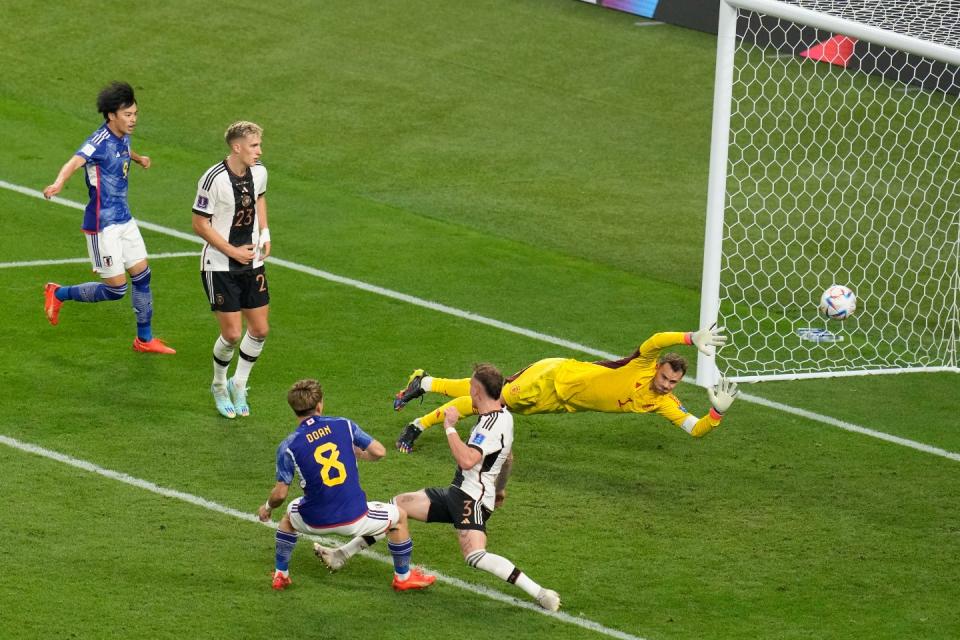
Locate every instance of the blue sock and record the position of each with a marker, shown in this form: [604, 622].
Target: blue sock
[91, 292]
[142, 300]
[285, 544]
[401, 552]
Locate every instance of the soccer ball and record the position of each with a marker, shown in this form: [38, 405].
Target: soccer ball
[838, 303]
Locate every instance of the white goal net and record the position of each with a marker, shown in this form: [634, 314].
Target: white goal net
[835, 160]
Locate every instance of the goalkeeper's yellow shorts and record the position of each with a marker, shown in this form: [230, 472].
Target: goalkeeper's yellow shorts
[532, 390]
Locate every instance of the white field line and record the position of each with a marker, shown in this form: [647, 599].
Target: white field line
[250, 517]
[542, 337]
[45, 263]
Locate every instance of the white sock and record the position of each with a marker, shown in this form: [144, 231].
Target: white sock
[358, 544]
[529, 586]
[250, 349]
[503, 569]
[426, 383]
[222, 355]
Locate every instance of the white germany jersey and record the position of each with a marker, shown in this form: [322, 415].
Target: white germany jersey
[229, 202]
[492, 437]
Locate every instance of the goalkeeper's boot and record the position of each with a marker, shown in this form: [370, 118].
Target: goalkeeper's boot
[280, 581]
[154, 345]
[412, 391]
[222, 397]
[548, 599]
[239, 396]
[331, 557]
[51, 305]
[407, 437]
[416, 580]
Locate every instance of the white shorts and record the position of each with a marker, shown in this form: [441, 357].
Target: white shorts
[116, 248]
[380, 517]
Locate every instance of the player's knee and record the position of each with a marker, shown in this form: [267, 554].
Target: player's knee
[231, 337]
[141, 281]
[259, 331]
[114, 292]
[285, 524]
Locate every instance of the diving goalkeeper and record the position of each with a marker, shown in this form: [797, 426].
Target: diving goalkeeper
[640, 383]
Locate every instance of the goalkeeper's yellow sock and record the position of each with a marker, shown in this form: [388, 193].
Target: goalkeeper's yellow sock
[463, 404]
[450, 387]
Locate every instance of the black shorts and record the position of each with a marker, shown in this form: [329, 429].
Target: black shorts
[450, 504]
[236, 290]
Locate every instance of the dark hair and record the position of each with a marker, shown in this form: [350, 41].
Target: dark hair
[113, 97]
[489, 378]
[676, 362]
[304, 396]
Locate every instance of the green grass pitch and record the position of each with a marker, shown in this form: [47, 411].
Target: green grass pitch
[541, 163]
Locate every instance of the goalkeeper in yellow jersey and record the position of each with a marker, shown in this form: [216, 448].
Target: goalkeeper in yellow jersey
[640, 383]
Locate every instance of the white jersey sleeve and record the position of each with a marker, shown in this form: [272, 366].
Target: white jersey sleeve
[259, 178]
[493, 438]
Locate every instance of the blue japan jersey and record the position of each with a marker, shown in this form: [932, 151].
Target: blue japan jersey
[108, 162]
[321, 452]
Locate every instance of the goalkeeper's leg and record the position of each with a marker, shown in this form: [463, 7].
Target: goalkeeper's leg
[413, 430]
[463, 404]
[450, 387]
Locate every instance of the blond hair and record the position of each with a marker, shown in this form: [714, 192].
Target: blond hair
[241, 129]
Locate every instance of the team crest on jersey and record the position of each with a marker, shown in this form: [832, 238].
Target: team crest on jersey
[202, 202]
[246, 200]
[478, 439]
[108, 261]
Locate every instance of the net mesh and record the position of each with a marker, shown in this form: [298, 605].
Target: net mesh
[843, 168]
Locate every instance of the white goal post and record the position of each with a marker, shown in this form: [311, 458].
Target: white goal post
[835, 159]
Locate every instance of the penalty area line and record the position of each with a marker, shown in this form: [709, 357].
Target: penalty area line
[210, 505]
[529, 333]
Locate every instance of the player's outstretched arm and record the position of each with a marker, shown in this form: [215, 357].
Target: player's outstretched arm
[708, 339]
[722, 395]
[374, 451]
[277, 497]
[67, 170]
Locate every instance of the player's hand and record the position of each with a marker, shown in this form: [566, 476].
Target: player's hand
[52, 190]
[498, 498]
[264, 250]
[145, 162]
[242, 254]
[707, 337]
[450, 417]
[723, 394]
[263, 514]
